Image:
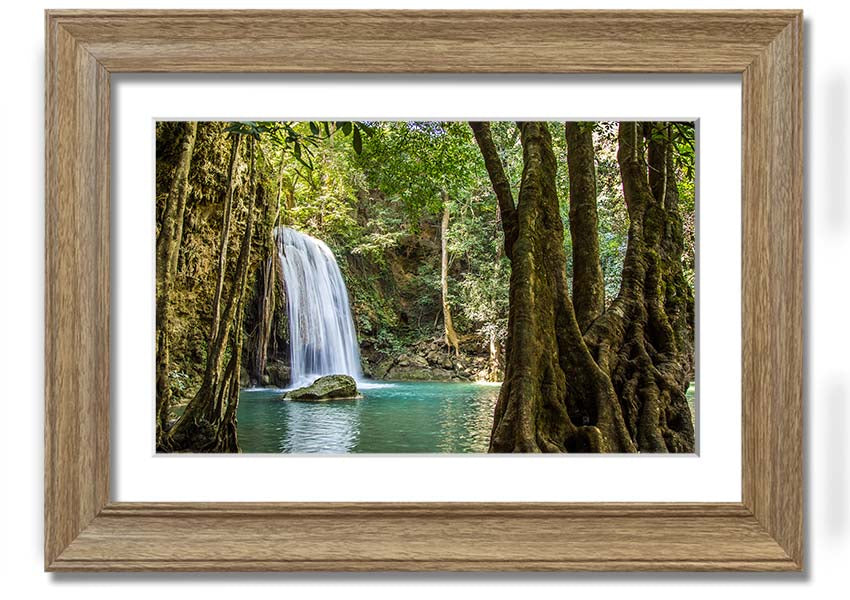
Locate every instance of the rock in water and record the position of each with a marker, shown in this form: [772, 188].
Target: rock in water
[329, 387]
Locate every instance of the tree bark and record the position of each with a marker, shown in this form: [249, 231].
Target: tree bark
[225, 234]
[634, 340]
[501, 185]
[495, 366]
[209, 422]
[554, 398]
[451, 337]
[588, 285]
[266, 311]
[267, 299]
[168, 248]
[619, 387]
[678, 298]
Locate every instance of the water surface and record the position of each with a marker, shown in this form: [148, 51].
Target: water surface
[392, 417]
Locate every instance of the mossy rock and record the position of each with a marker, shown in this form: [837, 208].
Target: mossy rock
[324, 389]
[411, 373]
[278, 373]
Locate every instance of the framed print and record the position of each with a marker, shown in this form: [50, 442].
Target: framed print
[510, 279]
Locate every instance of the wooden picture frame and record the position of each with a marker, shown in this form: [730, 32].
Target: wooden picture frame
[86, 531]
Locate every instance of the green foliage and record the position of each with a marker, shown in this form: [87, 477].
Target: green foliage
[416, 162]
[481, 291]
[684, 146]
[382, 233]
[687, 207]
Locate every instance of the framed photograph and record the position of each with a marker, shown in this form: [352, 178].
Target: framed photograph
[349, 298]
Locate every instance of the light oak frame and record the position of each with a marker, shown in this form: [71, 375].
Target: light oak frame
[86, 531]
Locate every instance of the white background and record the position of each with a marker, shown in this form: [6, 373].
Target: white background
[713, 475]
[827, 333]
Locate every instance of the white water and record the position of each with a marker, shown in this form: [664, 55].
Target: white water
[322, 337]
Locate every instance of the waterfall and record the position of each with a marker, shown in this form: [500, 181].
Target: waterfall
[322, 338]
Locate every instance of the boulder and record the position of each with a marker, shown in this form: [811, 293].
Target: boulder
[419, 374]
[382, 368]
[408, 373]
[366, 368]
[329, 387]
[277, 374]
[442, 375]
[419, 361]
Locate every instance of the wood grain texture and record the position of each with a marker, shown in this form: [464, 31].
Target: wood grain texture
[772, 288]
[425, 41]
[76, 450]
[85, 532]
[413, 537]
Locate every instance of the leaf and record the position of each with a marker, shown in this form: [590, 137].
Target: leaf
[314, 129]
[346, 127]
[358, 143]
[366, 128]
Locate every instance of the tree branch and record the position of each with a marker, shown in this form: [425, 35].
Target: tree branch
[501, 186]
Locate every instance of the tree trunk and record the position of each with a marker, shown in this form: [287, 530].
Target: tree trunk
[209, 422]
[501, 185]
[225, 234]
[618, 387]
[265, 313]
[267, 299]
[588, 286]
[168, 249]
[554, 398]
[495, 368]
[451, 338]
[634, 340]
[678, 298]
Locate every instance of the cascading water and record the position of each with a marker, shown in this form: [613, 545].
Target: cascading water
[322, 337]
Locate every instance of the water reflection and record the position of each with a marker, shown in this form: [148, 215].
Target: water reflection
[331, 427]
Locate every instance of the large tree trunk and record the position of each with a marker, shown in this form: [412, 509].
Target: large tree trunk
[209, 422]
[634, 340]
[618, 388]
[588, 286]
[554, 398]
[167, 250]
[451, 337]
[677, 295]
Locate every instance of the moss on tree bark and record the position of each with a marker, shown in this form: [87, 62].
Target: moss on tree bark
[167, 251]
[209, 422]
[588, 287]
[619, 387]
